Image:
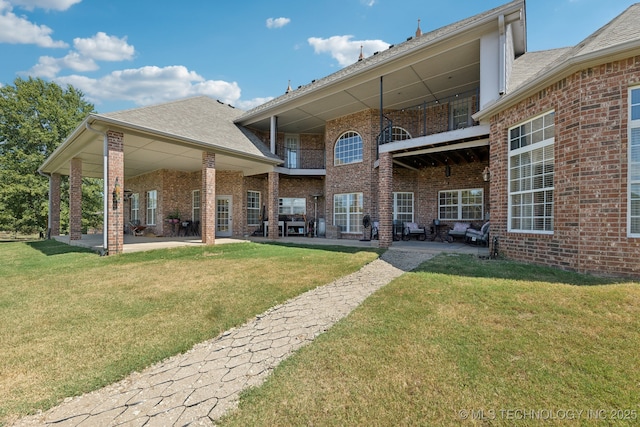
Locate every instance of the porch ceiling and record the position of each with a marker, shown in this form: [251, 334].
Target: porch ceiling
[144, 153]
[406, 83]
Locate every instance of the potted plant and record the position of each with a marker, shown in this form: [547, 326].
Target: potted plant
[174, 217]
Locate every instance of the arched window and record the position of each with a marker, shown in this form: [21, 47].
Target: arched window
[348, 149]
[397, 134]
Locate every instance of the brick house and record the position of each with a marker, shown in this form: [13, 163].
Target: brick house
[460, 124]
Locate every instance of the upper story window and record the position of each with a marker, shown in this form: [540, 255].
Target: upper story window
[531, 173]
[397, 134]
[634, 162]
[348, 149]
[291, 151]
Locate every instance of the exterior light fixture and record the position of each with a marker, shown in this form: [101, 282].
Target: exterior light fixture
[447, 171]
[486, 174]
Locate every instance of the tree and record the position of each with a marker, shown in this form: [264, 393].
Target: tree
[35, 118]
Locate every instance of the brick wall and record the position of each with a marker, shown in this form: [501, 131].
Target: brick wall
[356, 177]
[590, 183]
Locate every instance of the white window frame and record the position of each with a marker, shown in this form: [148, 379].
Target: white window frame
[253, 207]
[460, 204]
[135, 207]
[531, 185]
[196, 213]
[152, 207]
[633, 185]
[348, 149]
[403, 206]
[291, 151]
[291, 206]
[349, 219]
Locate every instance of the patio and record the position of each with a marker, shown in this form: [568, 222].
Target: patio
[140, 243]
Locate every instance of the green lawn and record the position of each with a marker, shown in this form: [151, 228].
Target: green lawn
[471, 342]
[71, 321]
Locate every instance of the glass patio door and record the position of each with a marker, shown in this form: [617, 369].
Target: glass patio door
[224, 221]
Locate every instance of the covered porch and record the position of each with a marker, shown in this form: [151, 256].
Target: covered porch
[153, 146]
[139, 244]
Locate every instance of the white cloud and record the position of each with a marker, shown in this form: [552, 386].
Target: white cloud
[252, 103]
[45, 4]
[151, 85]
[368, 3]
[102, 47]
[345, 50]
[277, 22]
[18, 30]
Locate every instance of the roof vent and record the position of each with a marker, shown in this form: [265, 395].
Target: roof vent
[409, 38]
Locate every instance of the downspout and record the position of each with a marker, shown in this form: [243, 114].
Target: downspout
[502, 85]
[105, 180]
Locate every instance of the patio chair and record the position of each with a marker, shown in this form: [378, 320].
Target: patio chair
[136, 228]
[413, 229]
[459, 230]
[478, 236]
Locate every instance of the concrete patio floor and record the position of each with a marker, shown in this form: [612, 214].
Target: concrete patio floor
[142, 243]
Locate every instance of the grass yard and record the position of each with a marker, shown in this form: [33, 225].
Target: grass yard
[71, 321]
[471, 342]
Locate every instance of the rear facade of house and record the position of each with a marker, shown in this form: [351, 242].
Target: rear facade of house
[455, 125]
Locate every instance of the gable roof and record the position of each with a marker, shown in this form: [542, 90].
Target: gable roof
[618, 39]
[172, 135]
[198, 119]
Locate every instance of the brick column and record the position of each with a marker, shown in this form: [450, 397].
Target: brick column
[115, 217]
[208, 199]
[385, 199]
[75, 200]
[272, 209]
[54, 205]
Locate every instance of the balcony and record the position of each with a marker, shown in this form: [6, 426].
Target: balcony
[430, 118]
[301, 158]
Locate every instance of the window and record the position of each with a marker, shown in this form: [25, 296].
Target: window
[531, 173]
[253, 208]
[634, 163]
[461, 205]
[347, 212]
[135, 207]
[152, 206]
[397, 134]
[291, 151]
[292, 206]
[195, 205]
[403, 207]
[460, 114]
[348, 149]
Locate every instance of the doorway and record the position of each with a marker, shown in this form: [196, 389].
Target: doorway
[224, 217]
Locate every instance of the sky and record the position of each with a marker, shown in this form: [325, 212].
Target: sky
[125, 54]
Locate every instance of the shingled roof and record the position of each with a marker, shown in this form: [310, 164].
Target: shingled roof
[618, 38]
[200, 119]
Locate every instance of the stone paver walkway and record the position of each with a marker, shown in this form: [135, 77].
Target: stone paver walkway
[198, 387]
